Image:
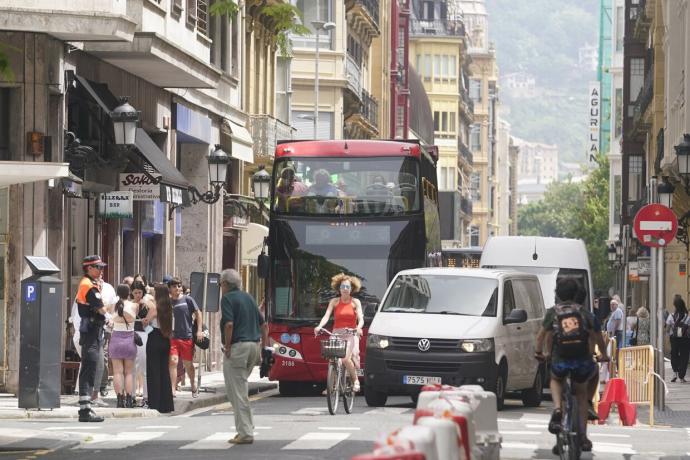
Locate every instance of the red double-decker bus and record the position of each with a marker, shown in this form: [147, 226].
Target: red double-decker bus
[368, 208]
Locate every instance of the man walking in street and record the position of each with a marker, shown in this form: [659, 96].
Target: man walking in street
[614, 326]
[92, 314]
[243, 331]
[185, 312]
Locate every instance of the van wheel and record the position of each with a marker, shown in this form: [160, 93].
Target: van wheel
[500, 388]
[374, 398]
[532, 396]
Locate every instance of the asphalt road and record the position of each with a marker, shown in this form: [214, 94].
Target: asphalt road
[301, 428]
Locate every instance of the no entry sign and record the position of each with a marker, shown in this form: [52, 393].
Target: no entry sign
[655, 225]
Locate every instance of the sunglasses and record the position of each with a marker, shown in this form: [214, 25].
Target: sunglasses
[345, 286]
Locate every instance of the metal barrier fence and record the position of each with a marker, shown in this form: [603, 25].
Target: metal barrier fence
[636, 368]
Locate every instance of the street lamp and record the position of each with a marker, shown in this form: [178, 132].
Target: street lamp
[217, 170]
[612, 253]
[619, 251]
[125, 119]
[665, 192]
[318, 27]
[261, 184]
[683, 154]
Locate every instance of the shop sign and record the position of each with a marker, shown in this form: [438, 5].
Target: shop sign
[171, 194]
[643, 266]
[116, 205]
[633, 274]
[239, 222]
[142, 186]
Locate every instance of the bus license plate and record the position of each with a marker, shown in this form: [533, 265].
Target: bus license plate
[418, 380]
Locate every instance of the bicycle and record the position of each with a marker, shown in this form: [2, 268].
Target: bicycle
[568, 440]
[338, 381]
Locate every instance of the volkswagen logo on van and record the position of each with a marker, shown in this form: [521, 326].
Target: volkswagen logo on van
[424, 345]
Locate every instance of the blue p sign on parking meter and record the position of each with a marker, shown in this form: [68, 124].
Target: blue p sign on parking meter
[30, 292]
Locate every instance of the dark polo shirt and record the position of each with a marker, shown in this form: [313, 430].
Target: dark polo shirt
[240, 308]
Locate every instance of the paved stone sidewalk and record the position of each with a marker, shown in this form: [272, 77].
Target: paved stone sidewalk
[677, 411]
[212, 391]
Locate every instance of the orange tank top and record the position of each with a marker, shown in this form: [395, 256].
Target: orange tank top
[345, 315]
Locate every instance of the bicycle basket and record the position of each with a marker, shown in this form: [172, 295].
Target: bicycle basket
[333, 348]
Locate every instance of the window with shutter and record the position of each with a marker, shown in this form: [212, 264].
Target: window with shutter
[191, 13]
[202, 16]
[177, 7]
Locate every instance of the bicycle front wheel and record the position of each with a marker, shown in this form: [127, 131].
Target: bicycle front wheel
[348, 393]
[332, 386]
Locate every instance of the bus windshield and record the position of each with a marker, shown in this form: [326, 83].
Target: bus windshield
[346, 186]
[306, 254]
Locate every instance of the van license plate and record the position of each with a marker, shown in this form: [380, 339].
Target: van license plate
[417, 380]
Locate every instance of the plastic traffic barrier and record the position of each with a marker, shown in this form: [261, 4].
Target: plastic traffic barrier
[485, 413]
[446, 436]
[458, 411]
[411, 438]
[615, 392]
[426, 397]
[388, 453]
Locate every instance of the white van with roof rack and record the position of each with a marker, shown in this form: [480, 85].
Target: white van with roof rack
[456, 326]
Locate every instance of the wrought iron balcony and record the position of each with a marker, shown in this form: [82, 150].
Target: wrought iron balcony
[353, 73]
[439, 27]
[467, 100]
[365, 15]
[370, 108]
[266, 131]
[644, 97]
[466, 205]
[465, 152]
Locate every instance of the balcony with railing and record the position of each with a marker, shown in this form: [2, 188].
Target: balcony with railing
[642, 20]
[363, 17]
[266, 131]
[644, 98]
[468, 103]
[361, 119]
[370, 109]
[353, 73]
[465, 153]
[438, 27]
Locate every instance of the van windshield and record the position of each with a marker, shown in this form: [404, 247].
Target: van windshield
[442, 295]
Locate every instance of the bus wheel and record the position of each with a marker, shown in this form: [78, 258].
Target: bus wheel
[374, 398]
[286, 388]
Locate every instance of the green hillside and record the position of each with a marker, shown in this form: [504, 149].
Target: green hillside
[542, 38]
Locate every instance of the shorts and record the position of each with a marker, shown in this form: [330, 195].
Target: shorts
[182, 347]
[580, 370]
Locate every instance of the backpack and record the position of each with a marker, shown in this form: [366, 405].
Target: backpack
[570, 332]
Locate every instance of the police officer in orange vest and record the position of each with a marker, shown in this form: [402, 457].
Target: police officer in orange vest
[92, 313]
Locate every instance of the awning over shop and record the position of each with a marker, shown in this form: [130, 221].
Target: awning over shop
[252, 242]
[242, 142]
[100, 94]
[22, 172]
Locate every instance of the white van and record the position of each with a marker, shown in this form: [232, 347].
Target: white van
[456, 326]
[548, 258]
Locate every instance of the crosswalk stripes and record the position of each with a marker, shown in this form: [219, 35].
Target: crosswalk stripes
[217, 441]
[317, 441]
[120, 440]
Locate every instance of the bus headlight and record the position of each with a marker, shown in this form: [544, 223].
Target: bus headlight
[377, 341]
[477, 345]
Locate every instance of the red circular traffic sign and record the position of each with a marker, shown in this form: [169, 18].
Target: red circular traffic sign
[655, 225]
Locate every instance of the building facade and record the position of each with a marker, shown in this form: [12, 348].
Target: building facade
[483, 90]
[182, 70]
[438, 52]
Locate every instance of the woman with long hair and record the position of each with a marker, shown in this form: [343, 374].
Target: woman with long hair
[643, 326]
[677, 325]
[144, 300]
[122, 349]
[347, 314]
[157, 351]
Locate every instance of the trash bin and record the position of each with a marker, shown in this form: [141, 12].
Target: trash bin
[40, 336]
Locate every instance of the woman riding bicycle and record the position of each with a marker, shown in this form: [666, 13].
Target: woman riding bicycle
[347, 313]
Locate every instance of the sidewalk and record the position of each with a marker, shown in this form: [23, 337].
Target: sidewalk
[211, 392]
[677, 411]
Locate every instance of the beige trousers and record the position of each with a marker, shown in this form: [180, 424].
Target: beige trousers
[236, 370]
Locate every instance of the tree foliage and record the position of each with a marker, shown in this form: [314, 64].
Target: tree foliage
[285, 18]
[575, 210]
[5, 67]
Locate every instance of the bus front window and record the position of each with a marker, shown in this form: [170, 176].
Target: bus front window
[354, 186]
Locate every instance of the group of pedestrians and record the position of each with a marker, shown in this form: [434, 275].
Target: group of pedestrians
[143, 330]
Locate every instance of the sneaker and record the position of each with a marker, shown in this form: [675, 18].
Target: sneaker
[104, 392]
[99, 403]
[240, 440]
[555, 422]
[87, 415]
[682, 380]
[591, 414]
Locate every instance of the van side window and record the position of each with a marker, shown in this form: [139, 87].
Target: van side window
[522, 297]
[535, 298]
[508, 299]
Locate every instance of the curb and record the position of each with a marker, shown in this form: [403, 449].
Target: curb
[220, 397]
[184, 405]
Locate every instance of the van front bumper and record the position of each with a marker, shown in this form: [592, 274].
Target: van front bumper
[385, 370]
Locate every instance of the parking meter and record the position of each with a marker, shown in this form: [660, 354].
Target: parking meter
[40, 336]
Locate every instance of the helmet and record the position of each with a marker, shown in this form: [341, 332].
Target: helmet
[206, 341]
